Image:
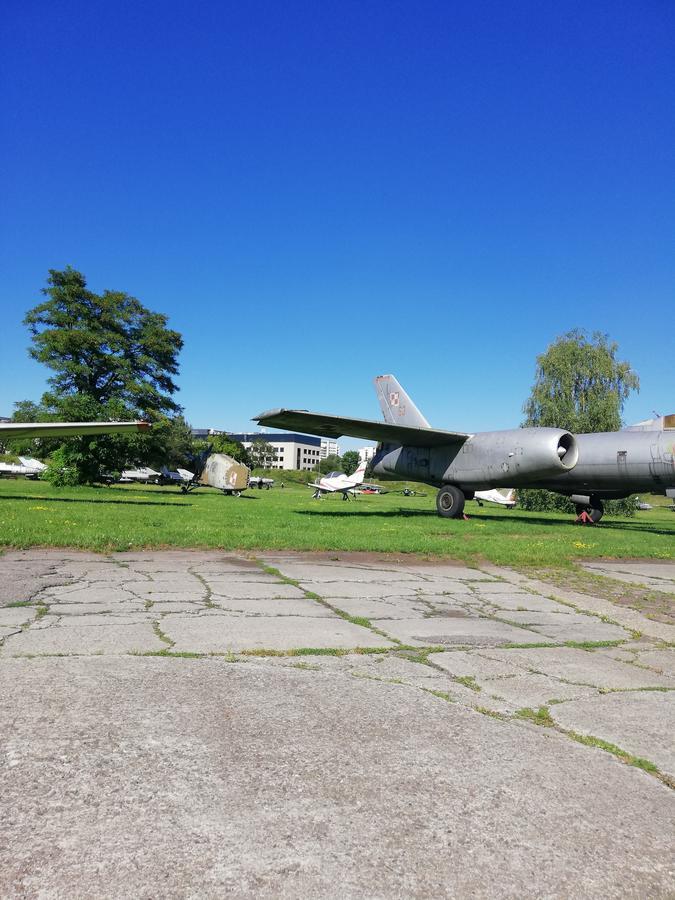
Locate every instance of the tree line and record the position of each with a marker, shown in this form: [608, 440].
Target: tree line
[114, 359]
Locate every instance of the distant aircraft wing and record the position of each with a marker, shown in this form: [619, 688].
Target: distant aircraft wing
[336, 426]
[67, 429]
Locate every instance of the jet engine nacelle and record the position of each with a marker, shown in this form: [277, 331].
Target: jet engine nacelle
[511, 458]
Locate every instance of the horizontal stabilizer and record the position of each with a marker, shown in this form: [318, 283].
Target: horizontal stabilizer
[336, 426]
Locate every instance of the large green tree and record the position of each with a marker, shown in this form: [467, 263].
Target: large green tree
[350, 461]
[112, 358]
[104, 346]
[580, 385]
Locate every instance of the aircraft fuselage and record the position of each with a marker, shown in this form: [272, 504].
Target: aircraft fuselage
[611, 464]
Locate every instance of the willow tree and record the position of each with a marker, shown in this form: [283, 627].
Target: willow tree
[580, 385]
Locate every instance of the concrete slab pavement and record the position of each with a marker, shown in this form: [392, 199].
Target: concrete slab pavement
[131, 768]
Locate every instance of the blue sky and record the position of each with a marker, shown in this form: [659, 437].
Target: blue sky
[316, 193]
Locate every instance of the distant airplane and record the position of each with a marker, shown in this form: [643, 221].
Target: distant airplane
[338, 482]
[13, 430]
[142, 475]
[495, 496]
[27, 466]
[587, 468]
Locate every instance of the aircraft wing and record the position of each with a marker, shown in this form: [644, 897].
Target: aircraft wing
[67, 429]
[336, 426]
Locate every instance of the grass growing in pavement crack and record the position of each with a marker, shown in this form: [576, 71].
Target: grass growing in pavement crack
[540, 716]
[19, 603]
[208, 601]
[590, 740]
[468, 681]
[443, 695]
[361, 621]
[492, 713]
[160, 634]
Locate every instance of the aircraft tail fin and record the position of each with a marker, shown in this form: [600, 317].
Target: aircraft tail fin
[511, 496]
[397, 407]
[358, 476]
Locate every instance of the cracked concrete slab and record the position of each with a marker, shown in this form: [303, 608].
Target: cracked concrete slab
[656, 575]
[274, 606]
[583, 666]
[474, 664]
[18, 615]
[585, 630]
[149, 755]
[84, 639]
[531, 690]
[255, 590]
[661, 660]
[466, 631]
[174, 772]
[223, 633]
[641, 723]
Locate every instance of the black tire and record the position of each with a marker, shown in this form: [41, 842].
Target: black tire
[450, 502]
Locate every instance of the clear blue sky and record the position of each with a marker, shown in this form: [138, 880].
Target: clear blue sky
[317, 193]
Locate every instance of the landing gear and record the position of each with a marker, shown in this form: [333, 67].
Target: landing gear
[594, 510]
[450, 502]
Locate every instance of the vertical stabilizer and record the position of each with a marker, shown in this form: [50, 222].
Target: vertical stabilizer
[397, 407]
[358, 476]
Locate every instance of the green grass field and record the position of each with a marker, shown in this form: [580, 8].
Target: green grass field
[124, 517]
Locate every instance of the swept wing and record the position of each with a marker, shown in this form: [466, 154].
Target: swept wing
[336, 426]
[67, 429]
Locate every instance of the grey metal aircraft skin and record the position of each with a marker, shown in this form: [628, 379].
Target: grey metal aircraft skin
[587, 468]
[457, 462]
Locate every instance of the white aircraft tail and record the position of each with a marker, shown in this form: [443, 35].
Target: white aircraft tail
[358, 476]
[397, 407]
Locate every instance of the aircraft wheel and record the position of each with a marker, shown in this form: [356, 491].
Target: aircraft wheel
[594, 512]
[450, 502]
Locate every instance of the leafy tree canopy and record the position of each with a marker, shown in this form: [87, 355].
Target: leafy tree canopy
[350, 461]
[105, 346]
[112, 359]
[580, 385]
[223, 443]
[331, 463]
[260, 453]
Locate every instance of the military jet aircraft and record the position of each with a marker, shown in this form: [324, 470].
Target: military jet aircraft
[457, 462]
[587, 468]
[338, 482]
[27, 466]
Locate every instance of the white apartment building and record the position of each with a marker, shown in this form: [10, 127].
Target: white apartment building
[290, 450]
[366, 453]
[329, 447]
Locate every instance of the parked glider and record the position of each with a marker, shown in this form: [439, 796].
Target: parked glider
[338, 482]
[587, 468]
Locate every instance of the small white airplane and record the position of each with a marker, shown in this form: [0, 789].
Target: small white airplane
[338, 482]
[142, 475]
[27, 466]
[495, 496]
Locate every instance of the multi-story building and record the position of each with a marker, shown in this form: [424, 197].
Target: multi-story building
[289, 450]
[329, 448]
[366, 453]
